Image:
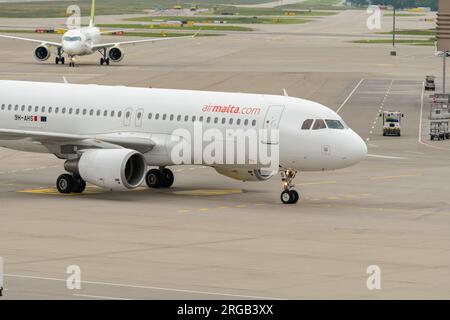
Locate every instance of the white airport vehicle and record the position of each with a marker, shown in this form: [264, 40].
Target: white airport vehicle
[391, 123]
[108, 135]
[85, 41]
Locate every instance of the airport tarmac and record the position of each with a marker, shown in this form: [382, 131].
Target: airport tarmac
[211, 237]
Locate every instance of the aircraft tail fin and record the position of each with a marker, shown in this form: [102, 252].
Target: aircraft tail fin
[92, 22]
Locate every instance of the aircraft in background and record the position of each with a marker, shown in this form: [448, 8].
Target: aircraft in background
[108, 135]
[85, 41]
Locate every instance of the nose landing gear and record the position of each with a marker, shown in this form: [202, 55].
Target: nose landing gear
[60, 58]
[289, 195]
[72, 61]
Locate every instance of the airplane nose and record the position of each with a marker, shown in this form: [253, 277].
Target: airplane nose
[358, 148]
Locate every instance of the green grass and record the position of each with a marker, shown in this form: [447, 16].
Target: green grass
[269, 12]
[46, 9]
[16, 31]
[235, 20]
[414, 32]
[315, 4]
[157, 27]
[429, 42]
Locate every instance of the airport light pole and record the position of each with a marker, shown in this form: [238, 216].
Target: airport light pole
[393, 52]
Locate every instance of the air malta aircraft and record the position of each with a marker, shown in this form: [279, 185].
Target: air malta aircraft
[109, 135]
[84, 41]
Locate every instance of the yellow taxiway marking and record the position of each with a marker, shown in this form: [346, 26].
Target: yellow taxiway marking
[395, 177]
[55, 192]
[210, 192]
[317, 183]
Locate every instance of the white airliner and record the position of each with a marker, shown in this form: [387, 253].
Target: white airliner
[108, 135]
[84, 41]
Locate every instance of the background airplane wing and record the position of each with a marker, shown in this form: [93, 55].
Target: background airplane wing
[54, 44]
[113, 44]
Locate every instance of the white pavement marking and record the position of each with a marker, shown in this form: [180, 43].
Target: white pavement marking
[147, 287]
[349, 96]
[385, 157]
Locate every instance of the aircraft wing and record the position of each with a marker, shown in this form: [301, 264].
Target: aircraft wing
[114, 44]
[139, 142]
[50, 43]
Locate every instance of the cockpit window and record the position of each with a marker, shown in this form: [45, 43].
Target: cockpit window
[334, 124]
[307, 124]
[71, 39]
[319, 124]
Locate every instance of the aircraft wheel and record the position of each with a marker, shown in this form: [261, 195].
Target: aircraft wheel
[107, 61]
[102, 61]
[154, 178]
[57, 60]
[167, 178]
[79, 185]
[289, 197]
[65, 183]
[63, 60]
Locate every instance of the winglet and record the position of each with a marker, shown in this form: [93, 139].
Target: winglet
[285, 93]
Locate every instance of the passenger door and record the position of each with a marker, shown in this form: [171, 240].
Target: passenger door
[127, 117]
[272, 122]
[139, 116]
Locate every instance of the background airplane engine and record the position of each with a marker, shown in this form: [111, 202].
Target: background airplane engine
[42, 53]
[116, 54]
[246, 174]
[114, 169]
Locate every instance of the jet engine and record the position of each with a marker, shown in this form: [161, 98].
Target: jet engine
[116, 54]
[112, 169]
[246, 174]
[42, 53]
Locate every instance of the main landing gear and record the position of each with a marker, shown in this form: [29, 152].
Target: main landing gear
[159, 178]
[60, 58]
[68, 183]
[289, 195]
[104, 59]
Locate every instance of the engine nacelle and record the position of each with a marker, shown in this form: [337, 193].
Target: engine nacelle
[42, 53]
[116, 54]
[114, 169]
[246, 174]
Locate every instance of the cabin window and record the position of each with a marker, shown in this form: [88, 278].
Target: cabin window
[216, 120]
[16, 108]
[231, 121]
[334, 124]
[98, 113]
[200, 119]
[139, 115]
[77, 112]
[91, 112]
[50, 109]
[157, 116]
[30, 108]
[246, 122]
[119, 114]
[23, 108]
[164, 116]
[172, 117]
[70, 110]
[3, 107]
[36, 109]
[9, 107]
[238, 122]
[112, 113]
[319, 124]
[56, 110]
[307, 124]
[194, 118]
[208, 120]
[224, 120]
[254, 123]
[150, 116]
[186, 118]
[179, 118]
[63, 110]
[84, 112]
[43, 109]
[105, 113]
